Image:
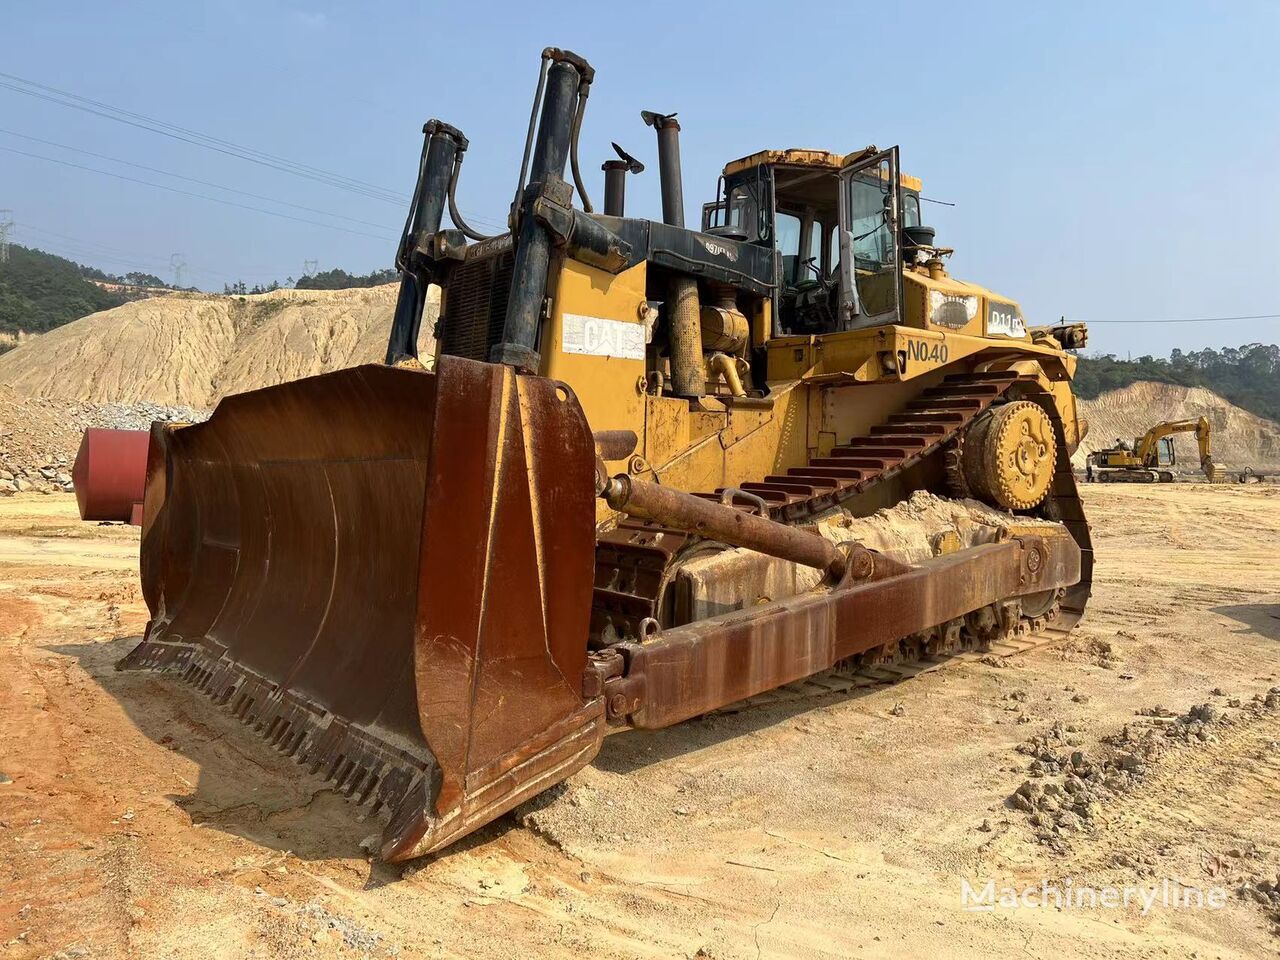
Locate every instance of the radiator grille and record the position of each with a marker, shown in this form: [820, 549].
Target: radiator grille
[476, 306]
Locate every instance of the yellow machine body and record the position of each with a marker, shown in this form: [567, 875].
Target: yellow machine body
[439, 581]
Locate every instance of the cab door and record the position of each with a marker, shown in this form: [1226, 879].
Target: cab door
[870, 242]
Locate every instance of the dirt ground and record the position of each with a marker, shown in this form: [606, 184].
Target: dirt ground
[138, 819]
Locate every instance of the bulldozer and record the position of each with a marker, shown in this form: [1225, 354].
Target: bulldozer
[606, 500]
[1153, 454]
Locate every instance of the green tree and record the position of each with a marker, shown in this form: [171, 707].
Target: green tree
[338, 279]
[40, 291]
[1248, 376]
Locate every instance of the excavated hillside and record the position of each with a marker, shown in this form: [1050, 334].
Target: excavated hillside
[193, 350]
[1239, 438]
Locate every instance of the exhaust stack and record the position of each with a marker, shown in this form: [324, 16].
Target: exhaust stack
[615, 181]
[669, 175]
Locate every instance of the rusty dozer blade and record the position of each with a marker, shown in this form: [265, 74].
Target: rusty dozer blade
[387, 572]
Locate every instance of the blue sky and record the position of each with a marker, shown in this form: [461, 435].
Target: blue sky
[1107, 161]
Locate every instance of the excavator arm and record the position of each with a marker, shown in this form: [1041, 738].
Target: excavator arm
[1146, 445]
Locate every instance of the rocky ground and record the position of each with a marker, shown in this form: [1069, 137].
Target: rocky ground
[137, 819]
[39, 437]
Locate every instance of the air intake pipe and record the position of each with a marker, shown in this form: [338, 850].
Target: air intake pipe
[688, 375]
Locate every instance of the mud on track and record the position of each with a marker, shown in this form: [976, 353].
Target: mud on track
[141, 820]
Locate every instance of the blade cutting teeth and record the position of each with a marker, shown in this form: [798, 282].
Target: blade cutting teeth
[367, 771]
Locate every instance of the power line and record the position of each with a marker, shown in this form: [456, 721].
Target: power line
[198, 196]
[107, 111]
[1259, 316]
[96, 249]
[179, 176]
[109, 249]
[83, 251]
[186, 135]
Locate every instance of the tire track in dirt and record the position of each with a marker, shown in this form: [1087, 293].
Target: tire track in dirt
[1213, 797]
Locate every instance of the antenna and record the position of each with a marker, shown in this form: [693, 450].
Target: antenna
[6, 225]
[178, 264]
[309, 267]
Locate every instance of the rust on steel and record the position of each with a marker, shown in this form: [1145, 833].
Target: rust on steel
[437, 677]
[686, 511]
[757, 649]
[403, 600]
[615, 444]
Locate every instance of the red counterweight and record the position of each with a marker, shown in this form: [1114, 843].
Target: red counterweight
[110, 474]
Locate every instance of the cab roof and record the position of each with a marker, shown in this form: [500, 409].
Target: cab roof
[801, 157]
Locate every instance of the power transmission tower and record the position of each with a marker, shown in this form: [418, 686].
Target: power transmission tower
[6, 225]
[178, 264]
[309, 267]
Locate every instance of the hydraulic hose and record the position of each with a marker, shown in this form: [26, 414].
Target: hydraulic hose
[528, 140]
[454, 214]
[584, 91]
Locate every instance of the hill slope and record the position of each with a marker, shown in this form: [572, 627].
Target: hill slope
[1248, 376]
[194, 349]
[1239, 438]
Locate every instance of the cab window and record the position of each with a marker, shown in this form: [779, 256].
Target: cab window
[871, 217]
[787, 232]
[910, 209]
[815, 253]
[869, 221]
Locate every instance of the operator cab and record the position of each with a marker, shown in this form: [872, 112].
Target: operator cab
[839, 224]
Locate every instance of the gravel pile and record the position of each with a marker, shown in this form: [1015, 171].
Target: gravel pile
[39, 438]
[1069, 789]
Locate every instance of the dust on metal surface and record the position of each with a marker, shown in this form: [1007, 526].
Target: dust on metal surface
[741, 654]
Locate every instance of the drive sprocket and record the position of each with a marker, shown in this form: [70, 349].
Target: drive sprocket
[1009, 455]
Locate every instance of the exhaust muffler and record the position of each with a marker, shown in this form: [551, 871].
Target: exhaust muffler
[684, 313]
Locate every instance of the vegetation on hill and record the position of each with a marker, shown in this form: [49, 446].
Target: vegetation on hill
[341, 280]
[133, 278]
[1248, 376]
[336, 279]
[39, 291]
[240, 288]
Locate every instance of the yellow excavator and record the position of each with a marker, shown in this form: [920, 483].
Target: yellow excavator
[1153, 454]
[633, 483]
